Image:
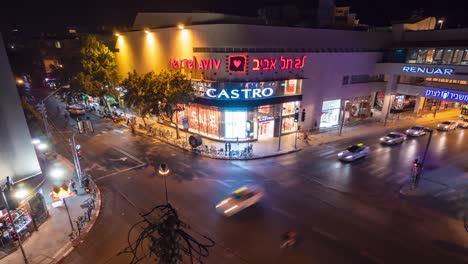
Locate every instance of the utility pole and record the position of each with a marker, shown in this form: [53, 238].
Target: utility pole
[418, 176]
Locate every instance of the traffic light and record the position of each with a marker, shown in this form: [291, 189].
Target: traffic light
[303, 115]
[296, 115]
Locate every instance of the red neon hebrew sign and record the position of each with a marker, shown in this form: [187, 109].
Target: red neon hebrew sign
[201, 64]
[268, 64]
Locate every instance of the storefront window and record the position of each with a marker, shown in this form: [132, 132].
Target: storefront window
[330, 113]
[430, 55]
[289, 125]
[202, 119]
[235, 125]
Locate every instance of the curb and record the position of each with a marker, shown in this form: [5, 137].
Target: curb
[70, 246]
[219, 157]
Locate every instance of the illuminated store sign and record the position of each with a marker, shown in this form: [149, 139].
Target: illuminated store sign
[241, 63]
[281, 63]
[202, 64]
[428, 70]
[239, 93]
[447, 95]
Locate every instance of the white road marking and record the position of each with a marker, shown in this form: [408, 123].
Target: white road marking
[203, 173]
[326, 153]
[223, 183]
[128, 154]
[184, 165]
[325, 233]
[280, 211]
[117, 172]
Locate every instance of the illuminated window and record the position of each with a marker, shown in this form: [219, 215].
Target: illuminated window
[430, 55]
[438, 56]
[57, 44]
[457, 57]
[421, 57]
[447, 56]
[235, 124]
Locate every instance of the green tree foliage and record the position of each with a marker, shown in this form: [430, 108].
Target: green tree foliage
[178, 92]
[142, 93]
[162, 94]
[99, 75]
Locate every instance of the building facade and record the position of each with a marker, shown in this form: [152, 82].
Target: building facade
[247, 76]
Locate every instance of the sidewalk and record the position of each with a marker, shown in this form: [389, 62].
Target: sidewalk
[270, 147]
[51, 242]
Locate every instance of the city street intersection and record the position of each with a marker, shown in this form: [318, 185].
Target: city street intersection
[344, 213]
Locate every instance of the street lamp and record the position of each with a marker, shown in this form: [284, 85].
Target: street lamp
[164, 170]
[441, 22]
[35, 141]
[42, 146]
[56, 173]
[3, 188]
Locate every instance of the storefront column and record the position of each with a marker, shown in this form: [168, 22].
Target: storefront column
[419, 104]
[390, 90]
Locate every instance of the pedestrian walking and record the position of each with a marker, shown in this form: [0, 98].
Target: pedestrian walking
[73, 186]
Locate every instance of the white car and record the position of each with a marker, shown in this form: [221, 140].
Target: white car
[354, 152]
[393, 138]
[240, 199]
[463, 123]
[447, 125]
[416, 131]
[76, 110]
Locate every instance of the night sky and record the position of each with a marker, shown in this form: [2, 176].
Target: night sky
[46, 14]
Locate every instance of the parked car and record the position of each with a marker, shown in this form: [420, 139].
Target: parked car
[416, 131]
[393, 138]
[76, 110]
[447, 125]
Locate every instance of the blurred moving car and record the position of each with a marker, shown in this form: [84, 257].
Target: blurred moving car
[50, 155]
[416, 131]
[393, 138]
[240, 199]
[76, 110]
[447, 125]
[463, 123]
[354, 152]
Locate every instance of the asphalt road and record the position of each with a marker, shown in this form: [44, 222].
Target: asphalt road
[344, 213]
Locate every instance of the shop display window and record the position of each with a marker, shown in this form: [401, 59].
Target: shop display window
[235, 125]
[430, 55]
[22, 221]
[446, 58]
[290, 108]
[203, 119]
[421, 57]
[457, 57]
[330, 113]
[289, 125]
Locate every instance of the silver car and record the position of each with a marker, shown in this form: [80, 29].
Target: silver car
[354, 152]
[240, 199]
[393, 138]
[447, 125]
[416, 131]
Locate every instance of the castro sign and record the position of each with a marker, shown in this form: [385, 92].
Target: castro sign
[428, 70]
[239, 94]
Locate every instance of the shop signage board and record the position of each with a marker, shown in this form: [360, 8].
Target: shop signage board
[240, 94]
[241, 63]
[428, 70]
[447, 95]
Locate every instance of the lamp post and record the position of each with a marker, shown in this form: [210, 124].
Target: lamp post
[423, 160]
[164, 170]
[13, 224]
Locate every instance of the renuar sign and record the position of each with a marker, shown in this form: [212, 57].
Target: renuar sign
[428, 70]
[239, 94]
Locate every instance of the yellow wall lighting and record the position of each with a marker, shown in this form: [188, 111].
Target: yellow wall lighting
[181, 26]
[117, 34]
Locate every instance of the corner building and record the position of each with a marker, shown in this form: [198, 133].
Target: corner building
[247, 75]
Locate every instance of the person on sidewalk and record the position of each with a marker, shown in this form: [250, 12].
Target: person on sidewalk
[73, 186]
[306, 136]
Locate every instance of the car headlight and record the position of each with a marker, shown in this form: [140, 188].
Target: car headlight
[445, 126]
[340, 154]
[349, 157]
[382, 139]
[408, 131]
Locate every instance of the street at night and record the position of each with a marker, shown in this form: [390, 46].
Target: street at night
[354, 209]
